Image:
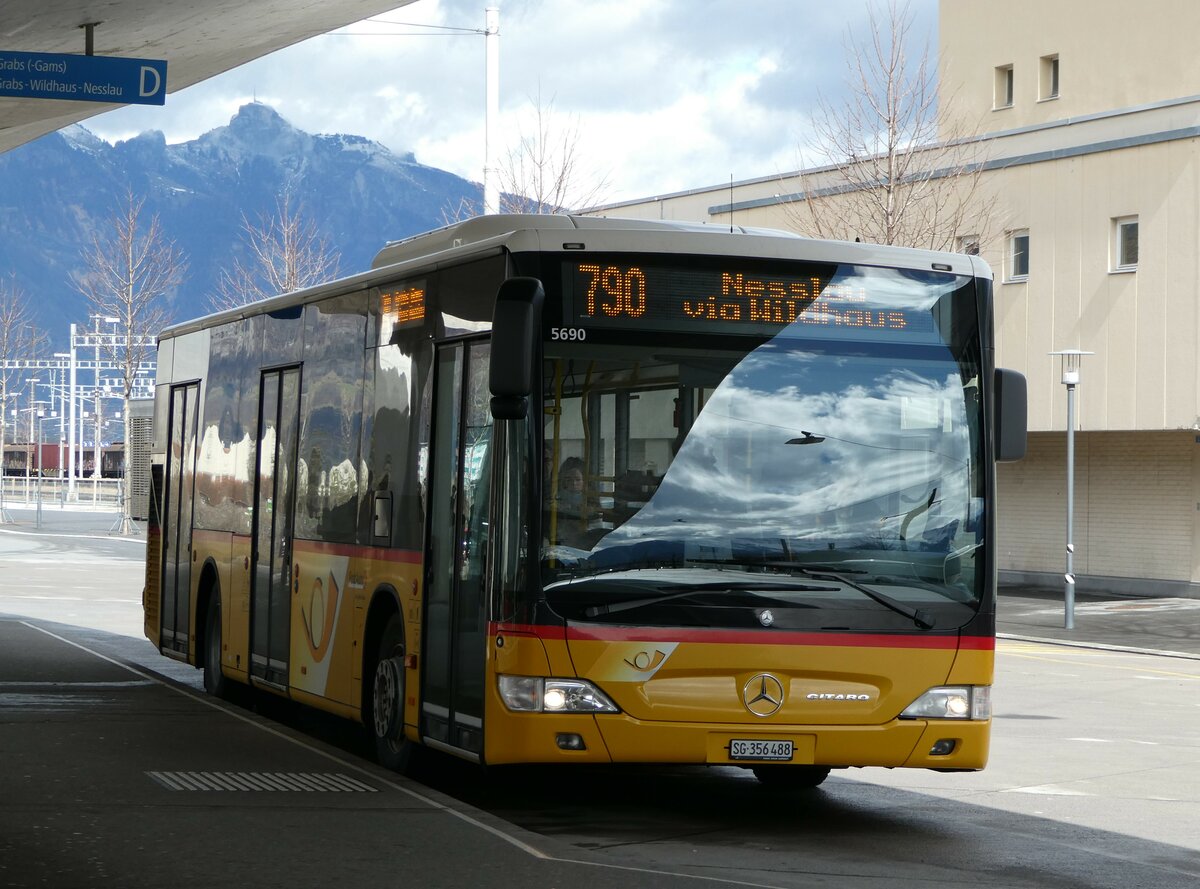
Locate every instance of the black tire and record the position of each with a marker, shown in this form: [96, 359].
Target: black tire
[384, 718]
[215, 682]
[791, 777]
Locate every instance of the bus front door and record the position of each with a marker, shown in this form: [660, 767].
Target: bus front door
[455, 640]
[274, 497]
[179, 487]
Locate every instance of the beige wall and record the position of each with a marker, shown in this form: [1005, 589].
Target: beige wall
[1142, 325]
[1112, 54]
[1135, 506]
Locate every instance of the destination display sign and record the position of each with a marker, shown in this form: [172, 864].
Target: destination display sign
[82, 78]
[819, 299]
[400, 306]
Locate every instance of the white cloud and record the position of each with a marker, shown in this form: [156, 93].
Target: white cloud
[667, 94]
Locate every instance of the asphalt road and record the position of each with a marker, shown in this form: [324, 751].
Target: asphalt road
[1094, 779]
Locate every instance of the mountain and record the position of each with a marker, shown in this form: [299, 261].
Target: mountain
[57, 191]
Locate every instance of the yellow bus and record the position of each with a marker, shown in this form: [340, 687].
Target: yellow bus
[554, 489]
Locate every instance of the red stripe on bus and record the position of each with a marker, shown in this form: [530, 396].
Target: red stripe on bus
[747, 637]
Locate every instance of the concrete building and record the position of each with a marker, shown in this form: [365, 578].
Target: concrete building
[1092, 147]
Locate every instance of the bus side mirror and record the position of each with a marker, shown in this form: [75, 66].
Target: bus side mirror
[1010, 404]
[516, 329]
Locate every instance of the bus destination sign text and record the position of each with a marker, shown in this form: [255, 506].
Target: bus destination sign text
[644, 297]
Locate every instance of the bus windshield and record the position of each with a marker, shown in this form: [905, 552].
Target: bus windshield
[840, 475]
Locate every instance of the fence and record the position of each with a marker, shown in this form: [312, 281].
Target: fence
[105, 492]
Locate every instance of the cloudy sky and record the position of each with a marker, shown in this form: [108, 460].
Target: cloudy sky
[665, 95]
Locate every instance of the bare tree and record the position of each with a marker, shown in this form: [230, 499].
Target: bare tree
[895, 167]
[129, 269]
[19, 339]
[287, 252]
[466, 208]
[545, 171]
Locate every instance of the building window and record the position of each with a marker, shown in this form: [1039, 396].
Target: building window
[1125, 244]
[1004, 87]
[1048, 87]
[1018, 255]
[969, 244]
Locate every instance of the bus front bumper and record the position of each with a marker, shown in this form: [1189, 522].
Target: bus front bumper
[943, 744]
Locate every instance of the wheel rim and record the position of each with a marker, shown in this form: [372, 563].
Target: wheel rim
[389, 691]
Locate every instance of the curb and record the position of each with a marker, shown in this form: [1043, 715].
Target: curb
[1099, 646]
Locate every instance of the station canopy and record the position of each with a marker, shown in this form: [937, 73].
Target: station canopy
[197, 38]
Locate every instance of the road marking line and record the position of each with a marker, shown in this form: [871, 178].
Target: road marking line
[1133, 668]
[72, 536]
[1047, 790]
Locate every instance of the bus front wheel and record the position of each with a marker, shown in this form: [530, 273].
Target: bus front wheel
[386, 719]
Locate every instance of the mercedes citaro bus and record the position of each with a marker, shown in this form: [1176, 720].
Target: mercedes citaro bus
[555, 489]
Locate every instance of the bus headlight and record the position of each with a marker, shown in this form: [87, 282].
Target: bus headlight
[952, 702]
[533, 694]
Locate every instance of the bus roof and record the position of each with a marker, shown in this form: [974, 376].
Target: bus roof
[482, 228]
[485, 234]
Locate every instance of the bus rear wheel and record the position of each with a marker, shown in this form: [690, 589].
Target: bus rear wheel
[385, 721]
[791, 777]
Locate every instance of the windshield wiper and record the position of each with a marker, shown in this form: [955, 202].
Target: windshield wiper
[918, 616]
[954, 594]
[631, 604]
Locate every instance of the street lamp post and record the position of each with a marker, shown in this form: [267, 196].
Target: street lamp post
[1071, 360]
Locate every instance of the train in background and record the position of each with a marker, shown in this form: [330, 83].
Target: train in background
[21, 459]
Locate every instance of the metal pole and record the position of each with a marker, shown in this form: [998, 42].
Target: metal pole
[491, 186]
[1069, 587]
[33, 381]
[71, 425]
[62, 409]
[99, 414]
[4, 517]
[39, 476]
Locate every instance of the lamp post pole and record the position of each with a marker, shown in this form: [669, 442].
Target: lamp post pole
[1071, 360]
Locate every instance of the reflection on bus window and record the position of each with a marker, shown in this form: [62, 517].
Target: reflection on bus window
[784, 452]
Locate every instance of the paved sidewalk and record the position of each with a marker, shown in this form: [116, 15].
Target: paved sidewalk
[1158, 626]
[71, 519]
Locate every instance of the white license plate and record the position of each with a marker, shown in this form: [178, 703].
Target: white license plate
[780, 751]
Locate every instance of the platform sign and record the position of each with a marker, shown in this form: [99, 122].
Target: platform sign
[80, 78]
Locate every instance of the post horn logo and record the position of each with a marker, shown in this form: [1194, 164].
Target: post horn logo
[763, 695]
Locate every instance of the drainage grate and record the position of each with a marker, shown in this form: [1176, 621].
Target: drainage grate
[304, 782]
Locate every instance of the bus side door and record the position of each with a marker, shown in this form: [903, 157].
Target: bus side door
[455, 639]
[180, 482]
[274, 503]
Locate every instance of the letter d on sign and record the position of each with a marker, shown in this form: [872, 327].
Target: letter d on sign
[150, 76]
